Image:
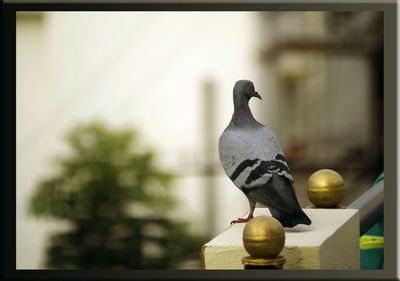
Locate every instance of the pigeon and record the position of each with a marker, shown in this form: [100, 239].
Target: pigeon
[253, 159]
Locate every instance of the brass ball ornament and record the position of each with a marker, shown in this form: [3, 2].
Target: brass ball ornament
[263, 237]
[325, 188]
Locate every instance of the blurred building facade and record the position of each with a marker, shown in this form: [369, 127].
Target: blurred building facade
[323, 73]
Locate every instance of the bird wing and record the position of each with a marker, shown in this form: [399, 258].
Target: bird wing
[279, 196]
[278, 193]
[251, 156]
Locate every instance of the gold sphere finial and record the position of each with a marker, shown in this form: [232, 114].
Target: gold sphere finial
[325, 188]
[263, 237]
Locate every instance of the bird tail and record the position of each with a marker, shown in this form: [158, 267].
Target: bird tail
[290, 219]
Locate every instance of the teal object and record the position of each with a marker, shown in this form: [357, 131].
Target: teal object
[371, 244]
[379, 178]
[372, 258]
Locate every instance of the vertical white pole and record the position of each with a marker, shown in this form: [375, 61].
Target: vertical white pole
[209, 149]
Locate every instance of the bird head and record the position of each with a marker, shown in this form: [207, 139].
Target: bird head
[245, 88]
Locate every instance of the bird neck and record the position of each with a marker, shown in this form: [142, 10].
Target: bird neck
[242, 115]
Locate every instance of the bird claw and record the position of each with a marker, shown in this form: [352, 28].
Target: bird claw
[240, 220]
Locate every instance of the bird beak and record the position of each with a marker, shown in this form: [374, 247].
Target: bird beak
[257, 95]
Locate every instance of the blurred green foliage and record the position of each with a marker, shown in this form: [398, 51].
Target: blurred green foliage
[116, 200]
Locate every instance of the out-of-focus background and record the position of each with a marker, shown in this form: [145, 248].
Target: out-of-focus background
[119, 115]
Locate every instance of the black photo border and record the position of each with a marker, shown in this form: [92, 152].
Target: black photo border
[8, 104]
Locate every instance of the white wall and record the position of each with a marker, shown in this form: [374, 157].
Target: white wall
[144, 69]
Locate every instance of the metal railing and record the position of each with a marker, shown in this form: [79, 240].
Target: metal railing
[370, 206]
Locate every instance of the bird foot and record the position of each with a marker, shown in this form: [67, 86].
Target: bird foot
[239, 220]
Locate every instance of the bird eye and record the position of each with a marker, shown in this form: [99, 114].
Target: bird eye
[250, 85]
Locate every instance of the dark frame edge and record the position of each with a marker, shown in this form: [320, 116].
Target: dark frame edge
[390, 139]
[390, 144]
[8, 140]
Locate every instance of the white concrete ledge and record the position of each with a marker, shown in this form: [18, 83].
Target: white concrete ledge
[330, 242]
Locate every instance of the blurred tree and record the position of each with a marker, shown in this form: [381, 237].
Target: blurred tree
[116, 201]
